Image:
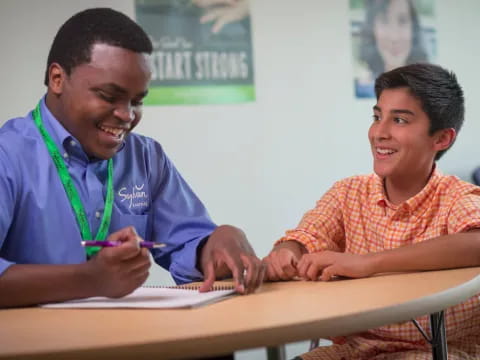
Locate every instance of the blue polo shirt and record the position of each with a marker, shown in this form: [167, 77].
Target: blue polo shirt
[38, 225]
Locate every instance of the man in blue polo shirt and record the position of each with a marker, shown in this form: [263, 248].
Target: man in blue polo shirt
[71, 170]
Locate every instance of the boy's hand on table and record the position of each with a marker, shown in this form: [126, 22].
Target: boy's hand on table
[329, 264]
[282, 261]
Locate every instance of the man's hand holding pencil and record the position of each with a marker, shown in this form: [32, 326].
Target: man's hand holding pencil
[118, 270]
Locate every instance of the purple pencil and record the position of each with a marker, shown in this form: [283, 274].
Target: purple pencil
[145, 244]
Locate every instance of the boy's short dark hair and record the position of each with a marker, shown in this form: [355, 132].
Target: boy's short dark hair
[436, 88]
[74, 40]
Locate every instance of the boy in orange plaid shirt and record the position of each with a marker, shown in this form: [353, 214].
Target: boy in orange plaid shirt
[407, 216]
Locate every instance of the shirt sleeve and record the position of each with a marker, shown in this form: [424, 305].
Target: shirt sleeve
[465, 214]
[7, 196]
[180, 220]
[321, 228]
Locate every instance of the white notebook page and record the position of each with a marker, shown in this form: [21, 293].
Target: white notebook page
[149, 297]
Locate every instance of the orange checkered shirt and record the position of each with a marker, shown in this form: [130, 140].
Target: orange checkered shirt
[355, 216]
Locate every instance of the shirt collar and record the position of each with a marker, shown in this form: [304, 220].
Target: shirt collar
[413, 204]
[55, 129]
[378, 196]
[421, 200]
[65, 141]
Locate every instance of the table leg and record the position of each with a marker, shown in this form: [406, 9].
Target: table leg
[314, 343]
[276, 353]
[439, 337]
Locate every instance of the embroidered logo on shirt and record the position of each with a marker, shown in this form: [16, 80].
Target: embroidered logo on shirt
[136, 197]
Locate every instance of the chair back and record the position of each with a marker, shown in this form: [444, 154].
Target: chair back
[476, 176]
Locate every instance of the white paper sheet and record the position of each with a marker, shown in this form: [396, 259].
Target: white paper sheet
[149, 297]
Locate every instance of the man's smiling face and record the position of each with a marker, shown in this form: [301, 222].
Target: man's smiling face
[101, 102]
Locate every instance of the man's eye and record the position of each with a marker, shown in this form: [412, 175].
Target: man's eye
[375, 117]
[137, 102]
[108, 98]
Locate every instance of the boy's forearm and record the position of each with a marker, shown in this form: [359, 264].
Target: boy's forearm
[444, 252]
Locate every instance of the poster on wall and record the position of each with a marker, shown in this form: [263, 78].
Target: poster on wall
[387, 34]
[202, 51]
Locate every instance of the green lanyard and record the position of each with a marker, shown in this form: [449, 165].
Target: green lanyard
[71, 191]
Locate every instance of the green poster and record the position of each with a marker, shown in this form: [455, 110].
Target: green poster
[202, 51]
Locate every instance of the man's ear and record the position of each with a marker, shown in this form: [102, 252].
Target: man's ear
[444, 138]
[56, 78]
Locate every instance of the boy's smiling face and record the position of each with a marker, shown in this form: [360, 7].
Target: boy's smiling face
[402, 148]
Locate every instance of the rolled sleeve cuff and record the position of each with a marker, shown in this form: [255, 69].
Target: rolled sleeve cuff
[310, 242]
[4, 265]
[184, 266]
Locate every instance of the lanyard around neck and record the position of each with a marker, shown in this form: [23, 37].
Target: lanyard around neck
[71, 191]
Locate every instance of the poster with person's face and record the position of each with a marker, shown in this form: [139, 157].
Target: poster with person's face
[387, 34]
[202, 51]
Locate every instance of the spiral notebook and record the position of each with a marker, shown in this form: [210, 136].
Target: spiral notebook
[154, 297]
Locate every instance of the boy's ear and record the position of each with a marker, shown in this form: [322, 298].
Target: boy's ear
[56, 78]
[444, 138]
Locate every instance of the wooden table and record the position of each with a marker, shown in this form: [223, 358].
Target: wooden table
[278, 313]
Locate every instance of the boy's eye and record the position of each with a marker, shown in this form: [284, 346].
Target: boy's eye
[375, 117]
[400, 120]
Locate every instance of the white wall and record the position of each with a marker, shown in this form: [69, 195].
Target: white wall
[261, 165]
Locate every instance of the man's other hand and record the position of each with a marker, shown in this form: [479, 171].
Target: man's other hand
[227, 252]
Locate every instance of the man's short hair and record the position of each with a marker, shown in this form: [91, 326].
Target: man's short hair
[74, 40]
[437, 89]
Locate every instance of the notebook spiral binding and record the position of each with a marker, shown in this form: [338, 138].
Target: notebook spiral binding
[194, 286]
